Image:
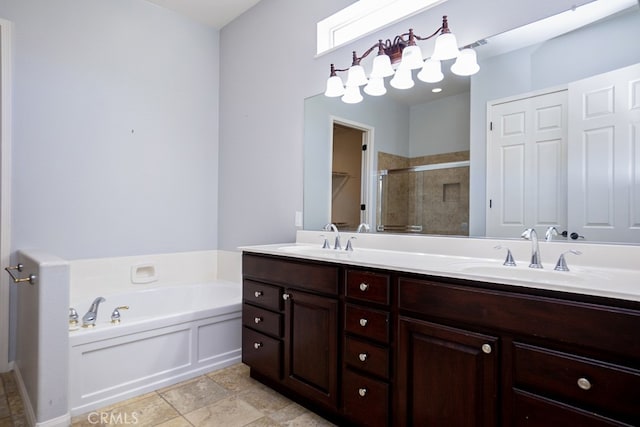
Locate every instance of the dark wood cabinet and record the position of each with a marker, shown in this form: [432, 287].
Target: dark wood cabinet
[371, 347]
[311, 346]
[446, 376]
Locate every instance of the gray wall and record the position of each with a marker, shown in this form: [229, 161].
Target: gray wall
[269, 68]
[115, 143]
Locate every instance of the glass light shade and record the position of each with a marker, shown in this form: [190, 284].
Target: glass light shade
[356, 76]
[411, 57]
[466, 64]
[446, 47]
[381, 67]
[352, 95]
[334, 87]
[375, 87]
[431, 71]
[402, 79]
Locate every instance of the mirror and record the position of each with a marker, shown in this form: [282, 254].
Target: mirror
[507, 69]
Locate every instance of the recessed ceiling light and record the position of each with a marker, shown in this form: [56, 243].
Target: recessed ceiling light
[436, 90]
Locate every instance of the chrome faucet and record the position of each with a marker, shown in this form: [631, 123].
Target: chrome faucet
[89, 319]
[530, 234]
[363, 226]
[332, 227]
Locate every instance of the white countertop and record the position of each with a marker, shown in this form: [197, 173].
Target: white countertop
[602, 270]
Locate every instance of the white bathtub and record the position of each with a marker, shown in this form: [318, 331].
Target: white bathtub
[168, 335]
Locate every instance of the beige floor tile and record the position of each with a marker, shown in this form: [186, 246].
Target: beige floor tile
[264, 422]
[308, 419]
[194, 394]
[264, 399]
[234, 378]
[176, 422]
[288, 413]
[150, 411]
[229, 412]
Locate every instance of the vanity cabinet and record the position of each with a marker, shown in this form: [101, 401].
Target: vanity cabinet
[290, 326]
[373, 347]
[484, 353]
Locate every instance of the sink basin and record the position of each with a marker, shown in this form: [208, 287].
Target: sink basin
[313, 251]
[521, 273]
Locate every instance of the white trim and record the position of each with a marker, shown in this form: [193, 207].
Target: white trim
[367, 177]
[5, 186]
[364, 17]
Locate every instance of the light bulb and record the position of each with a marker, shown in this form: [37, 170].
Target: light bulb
[402, 79]
[446, 47]
[356, 76]
[334, 87]
[381, 67]
[466, 64]
[352, 95]
[431, 71]
[375, 87]
[411, 57]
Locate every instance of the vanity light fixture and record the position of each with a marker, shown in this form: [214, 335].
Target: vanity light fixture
[407, 53]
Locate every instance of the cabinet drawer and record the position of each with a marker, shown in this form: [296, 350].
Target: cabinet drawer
[591, 325]
[366, 401]
[262, 353]
[366, 286]
[262, 320]
[367, 357]
[261, 294]
[533, 411]
[316, 277]
[366, 322]
[581, 382]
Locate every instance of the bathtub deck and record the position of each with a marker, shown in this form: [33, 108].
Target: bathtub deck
[226, 397]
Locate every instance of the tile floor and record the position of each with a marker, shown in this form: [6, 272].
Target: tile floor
[227, 397]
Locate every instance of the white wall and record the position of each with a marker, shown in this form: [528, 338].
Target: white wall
[269, 68]
[115, 138]
[601, 47]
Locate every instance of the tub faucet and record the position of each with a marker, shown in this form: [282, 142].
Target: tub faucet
[530, 234]
[89, 319]
[332, 227]
[363, 226]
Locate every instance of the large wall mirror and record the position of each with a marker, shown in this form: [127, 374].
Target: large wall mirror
[426, 166]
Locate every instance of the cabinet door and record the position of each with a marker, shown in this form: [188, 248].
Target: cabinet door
[311, 346]
[446, 376]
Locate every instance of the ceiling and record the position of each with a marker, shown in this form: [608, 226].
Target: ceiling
[215, 13]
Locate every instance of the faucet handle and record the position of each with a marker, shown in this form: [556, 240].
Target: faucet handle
[73, 316]
[115, 315]
[561, 265]
[550, 233]
[349, 245]
[326, 244]
[508, 261]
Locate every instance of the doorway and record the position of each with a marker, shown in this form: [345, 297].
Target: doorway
[349, 174]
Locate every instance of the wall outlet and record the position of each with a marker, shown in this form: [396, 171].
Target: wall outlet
[298, 219]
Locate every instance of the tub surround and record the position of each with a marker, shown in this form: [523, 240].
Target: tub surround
[183, 320]
[601, 269]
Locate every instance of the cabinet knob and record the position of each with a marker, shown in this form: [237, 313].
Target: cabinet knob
[486, 348]
[286, 296]
[257, 294]
[363, 357]
[363, 322]
[364, 286]
[584, 383]
[257, 319]
[257, 345]
[362, 391]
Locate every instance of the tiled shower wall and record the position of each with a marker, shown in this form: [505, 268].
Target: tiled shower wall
[436, 200]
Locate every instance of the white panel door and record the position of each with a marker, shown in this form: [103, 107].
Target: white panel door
[604, 156]
[526, 164]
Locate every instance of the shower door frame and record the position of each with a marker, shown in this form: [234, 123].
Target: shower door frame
[5, 186]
